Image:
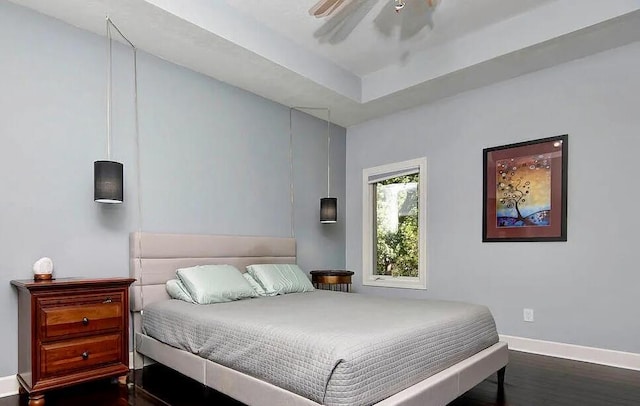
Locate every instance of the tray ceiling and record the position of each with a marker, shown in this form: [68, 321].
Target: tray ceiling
[367, 61]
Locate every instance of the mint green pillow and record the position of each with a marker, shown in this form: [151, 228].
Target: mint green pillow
[215, 283]
[278, 279]
[176, 290]
[255, 285]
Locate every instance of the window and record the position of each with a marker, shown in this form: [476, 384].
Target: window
[395, 225]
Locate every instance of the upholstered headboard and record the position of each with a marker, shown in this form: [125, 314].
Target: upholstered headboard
[154, 258]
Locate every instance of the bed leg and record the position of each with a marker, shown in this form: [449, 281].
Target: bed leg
[204, 391]
[501, 373]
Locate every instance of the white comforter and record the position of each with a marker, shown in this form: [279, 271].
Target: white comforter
[333, 348]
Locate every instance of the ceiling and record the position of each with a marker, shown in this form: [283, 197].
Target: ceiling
[381, 36]
[366, 60]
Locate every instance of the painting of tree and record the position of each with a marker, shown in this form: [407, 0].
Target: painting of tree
[523, 191]
[524, 195]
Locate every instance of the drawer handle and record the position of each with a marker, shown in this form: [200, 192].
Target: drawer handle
[85, 355]
[85, 321]
[108, 300]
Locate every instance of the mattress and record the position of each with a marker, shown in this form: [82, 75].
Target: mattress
[331, 347]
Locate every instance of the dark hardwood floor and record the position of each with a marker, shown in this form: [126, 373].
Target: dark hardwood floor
[530, 380]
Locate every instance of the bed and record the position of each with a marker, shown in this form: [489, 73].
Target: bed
[154, 259]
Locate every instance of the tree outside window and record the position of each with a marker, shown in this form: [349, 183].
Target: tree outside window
[394, 229]
[397, 249]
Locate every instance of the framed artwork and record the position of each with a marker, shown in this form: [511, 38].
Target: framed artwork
[525, 191]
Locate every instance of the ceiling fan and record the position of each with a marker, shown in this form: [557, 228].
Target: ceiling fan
[324, 8]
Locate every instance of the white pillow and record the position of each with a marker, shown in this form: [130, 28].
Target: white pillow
[254, 284]
[278, 279]
[215, 283]
[176, 290]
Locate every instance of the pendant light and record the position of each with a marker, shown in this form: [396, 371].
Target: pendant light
[107, 182]
[328, 205]
[108, 185]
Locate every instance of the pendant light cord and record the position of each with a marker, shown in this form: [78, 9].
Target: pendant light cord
[328, 153]
[138, 170]
[110, 24]
[137, 136]
[109, 79]
[291, 189]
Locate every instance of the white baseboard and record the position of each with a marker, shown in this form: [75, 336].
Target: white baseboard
[619, 359]
[8, 386]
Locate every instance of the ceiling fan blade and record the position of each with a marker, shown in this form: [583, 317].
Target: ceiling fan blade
[333, 8]
[322, 8]
[336, 6]
[312, 10]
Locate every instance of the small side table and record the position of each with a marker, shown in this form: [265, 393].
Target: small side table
[71, 330]
[338, 280]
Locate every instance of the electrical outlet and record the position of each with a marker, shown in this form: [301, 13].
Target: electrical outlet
[528, 315]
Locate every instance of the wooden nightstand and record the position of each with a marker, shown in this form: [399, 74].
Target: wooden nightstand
[71, 331]
[331, 279]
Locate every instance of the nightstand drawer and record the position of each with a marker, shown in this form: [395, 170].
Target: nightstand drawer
[103, 314]
[79, 354]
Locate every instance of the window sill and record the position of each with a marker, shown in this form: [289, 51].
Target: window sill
[413, 283]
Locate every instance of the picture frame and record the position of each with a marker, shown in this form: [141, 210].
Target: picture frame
[525, 191]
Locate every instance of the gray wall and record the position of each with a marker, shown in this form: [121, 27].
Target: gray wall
[584, 291]
[214, 159]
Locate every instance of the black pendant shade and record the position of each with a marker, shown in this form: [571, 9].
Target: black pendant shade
[107, 182]
[328, 210]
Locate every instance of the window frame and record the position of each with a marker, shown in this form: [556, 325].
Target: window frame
[369, 278]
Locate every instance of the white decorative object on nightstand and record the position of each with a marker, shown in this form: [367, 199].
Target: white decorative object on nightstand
[43, 269]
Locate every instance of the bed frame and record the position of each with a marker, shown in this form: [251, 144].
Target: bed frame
[154, 259]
